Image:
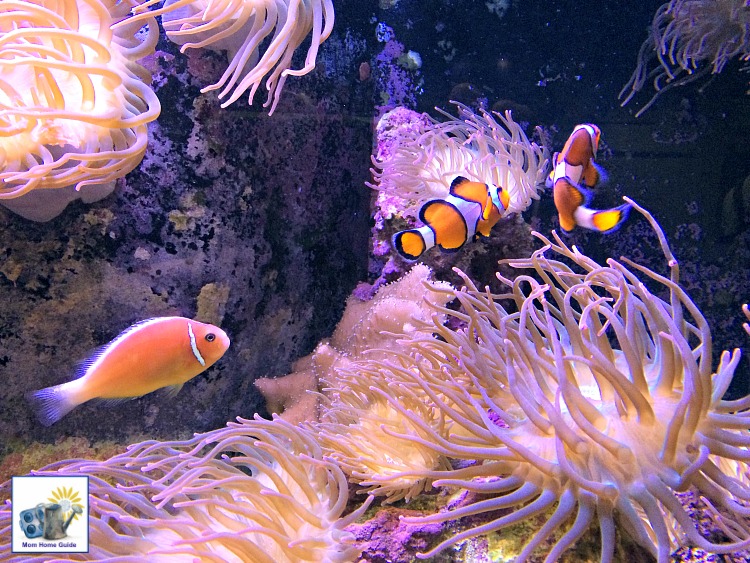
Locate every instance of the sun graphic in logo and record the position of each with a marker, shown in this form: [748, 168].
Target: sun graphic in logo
[69, 500]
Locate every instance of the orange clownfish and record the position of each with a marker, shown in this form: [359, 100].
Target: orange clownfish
[469, 210]
[574, 173]
[155, 353]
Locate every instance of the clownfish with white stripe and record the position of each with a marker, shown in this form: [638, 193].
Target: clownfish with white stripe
[574, 174]
[150, 355]
[470, 209]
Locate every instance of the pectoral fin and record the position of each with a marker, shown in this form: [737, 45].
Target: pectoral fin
[171, 391]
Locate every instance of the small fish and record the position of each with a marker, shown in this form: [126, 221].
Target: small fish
[155, 353]
[574, 174]
[470, 209]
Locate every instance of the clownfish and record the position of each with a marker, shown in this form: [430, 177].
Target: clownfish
[573, 176]
[469, 210]
[155, 353]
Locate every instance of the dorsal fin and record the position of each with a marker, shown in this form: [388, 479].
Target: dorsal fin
[458, 180]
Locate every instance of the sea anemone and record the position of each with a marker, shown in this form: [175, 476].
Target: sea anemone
[689, 39]
[430, 154]
[255, 491]
[353, 410]
[356, 413]
[369, 323]
[357, 431]
[240, 27]
[74, 103]
[591, 398]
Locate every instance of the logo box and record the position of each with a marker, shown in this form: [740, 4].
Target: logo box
[50, 514]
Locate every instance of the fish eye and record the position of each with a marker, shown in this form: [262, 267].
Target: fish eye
[210, 337]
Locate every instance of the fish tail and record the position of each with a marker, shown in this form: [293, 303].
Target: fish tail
[605, 221]
[412, 243]
[52, 403]
[612, 219]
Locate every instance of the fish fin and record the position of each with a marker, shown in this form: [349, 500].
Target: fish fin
[83, 366]
[51, 404]
[470, 192]
[602, 172]
[593, 175]
[409, 244]
[451, 249]
[575, 195]
[605, 221]
[550, 181]
[486, 212]
[171, 391]
[137, 326]
[581, 194]
[567, 225]
[609, 221]
[457, 181]
[504, 197]
[110, 403]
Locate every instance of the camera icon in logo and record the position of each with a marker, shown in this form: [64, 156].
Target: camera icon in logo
[32, 521]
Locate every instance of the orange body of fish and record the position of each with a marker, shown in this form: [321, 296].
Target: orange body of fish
[154, 354]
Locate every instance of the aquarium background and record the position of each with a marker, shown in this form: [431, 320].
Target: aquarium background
[262, 224]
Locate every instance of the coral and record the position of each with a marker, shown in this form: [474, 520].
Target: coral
[498, 7]
[241, 27]
[75, 103]
[212, 303]
[592, 397]
[689, 39]
[254, 491]
[387, 538]
[397, 75]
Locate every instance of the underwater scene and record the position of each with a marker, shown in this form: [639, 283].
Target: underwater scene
[351, 281]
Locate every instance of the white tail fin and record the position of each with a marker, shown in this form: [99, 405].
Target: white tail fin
[52, 403]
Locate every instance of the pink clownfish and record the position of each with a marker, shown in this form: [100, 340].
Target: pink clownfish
[469, 210]
[150, 355]
[573, 176]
